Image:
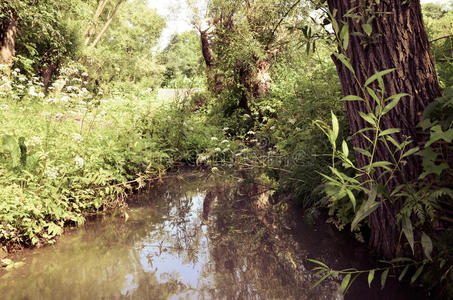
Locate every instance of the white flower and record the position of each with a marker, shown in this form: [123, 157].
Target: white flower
[14, 73]
[22, 79]
[217, 149]
[79, 162]
[52, 172]
[251, 132]
[85, 74]
[202, 157]
[224, 142]
[76, 137]
[214, 138]
[226, 129]
[17, 70]
[32, 92]
[41, 95]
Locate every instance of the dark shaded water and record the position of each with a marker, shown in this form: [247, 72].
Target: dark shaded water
[191, 238]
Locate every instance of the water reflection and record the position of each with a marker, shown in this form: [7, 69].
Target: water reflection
[197, 238]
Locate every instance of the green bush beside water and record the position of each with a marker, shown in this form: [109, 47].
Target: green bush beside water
[73, 153]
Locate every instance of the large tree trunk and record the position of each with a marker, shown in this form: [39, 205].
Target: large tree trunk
[8, 40]
[400, 42]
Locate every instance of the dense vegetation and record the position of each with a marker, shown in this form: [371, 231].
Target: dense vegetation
[299, 93]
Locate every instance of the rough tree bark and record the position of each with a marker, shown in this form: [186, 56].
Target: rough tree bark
[401, 43]
[8, 40]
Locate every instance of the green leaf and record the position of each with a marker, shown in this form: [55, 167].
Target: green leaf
[403, 273]
[389, 131]
[417, 273]
[377, 75]
[410, 152]
[345, 148]
[370, 277]
[352, 98]
[352, 198]
[345, 282]
[408, 231]
[384, 278]
[368, 117]
[366, 208]
[344, 36]
[335, 126]
[367, 28]
[321, 280]
[427, 245]
[373, 95]
[393, 103]
[345, 61]
[319, 263]
[438, 134]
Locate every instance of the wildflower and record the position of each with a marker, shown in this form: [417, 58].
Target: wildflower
[17, 70]
[51, 173]
[251, 132]
[214, 138]
[79, 162]
[224, 142]
[226, 129]
[32, 92]
[217, 149]
[76, 137]
[14, 73]
[84, 74]
[34, 141]
[22, 79]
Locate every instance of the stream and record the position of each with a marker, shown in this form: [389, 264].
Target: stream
[194, 237]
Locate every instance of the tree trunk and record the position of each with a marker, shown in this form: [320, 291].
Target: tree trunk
[8, 41]
[215, 80]
[107, 24]
[399, 41]
[88, 31]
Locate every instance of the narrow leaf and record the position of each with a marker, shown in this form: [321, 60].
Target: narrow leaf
[384, 278]
[403, 273]
[408, 231]
[377, 75]
[345, 283]
[390, 131]
[352, 98]
[427, 245]
[367, 28]
[368, 118]
[370, 277]
[335, 126]
[352, 198]
[366, 208]
[417, 273]
[345, 148]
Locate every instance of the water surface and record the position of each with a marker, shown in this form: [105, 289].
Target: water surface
[195, 237]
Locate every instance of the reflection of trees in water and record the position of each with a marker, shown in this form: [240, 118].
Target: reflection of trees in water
[217, 228]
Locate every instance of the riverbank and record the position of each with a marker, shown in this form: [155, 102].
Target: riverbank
[71, 154]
